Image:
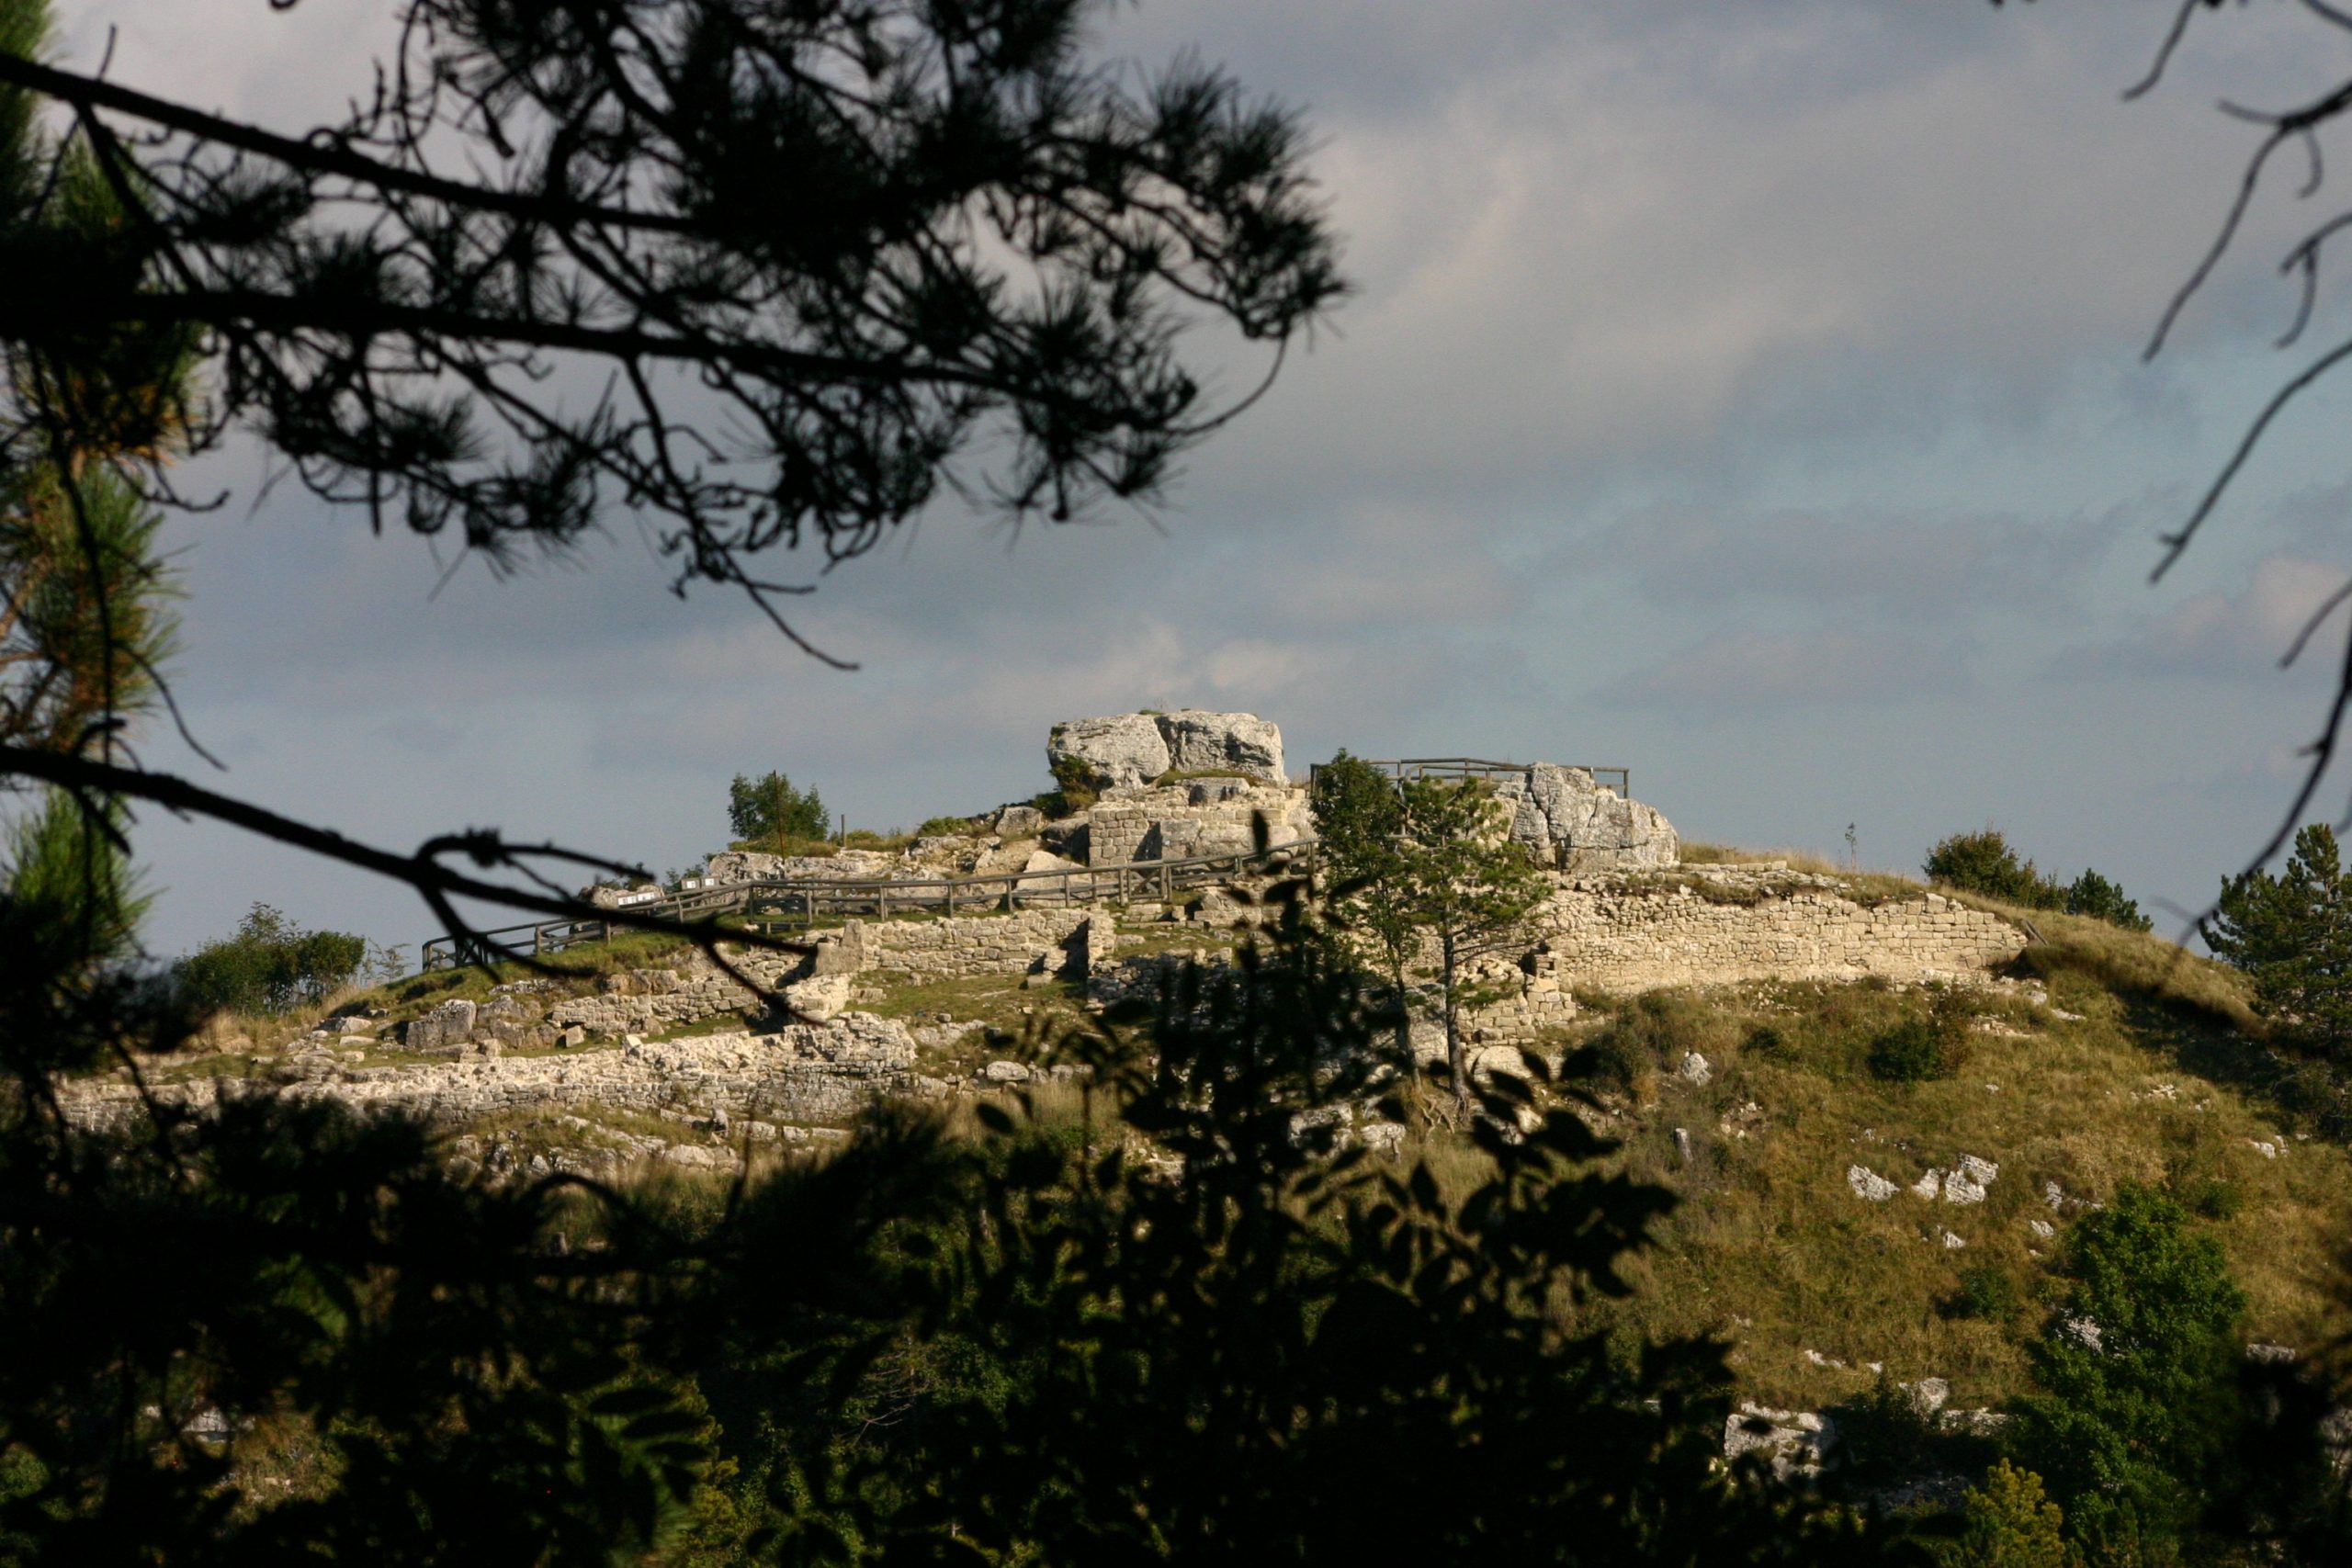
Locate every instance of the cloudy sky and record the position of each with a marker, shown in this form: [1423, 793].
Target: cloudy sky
[1748, 395]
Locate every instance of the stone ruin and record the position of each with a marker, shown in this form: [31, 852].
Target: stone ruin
[1193, 782]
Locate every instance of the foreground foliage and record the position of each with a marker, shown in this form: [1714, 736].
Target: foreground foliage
[1188, 1327]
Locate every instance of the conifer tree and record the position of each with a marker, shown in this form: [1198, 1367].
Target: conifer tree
[2293, 933]
[1428, 875]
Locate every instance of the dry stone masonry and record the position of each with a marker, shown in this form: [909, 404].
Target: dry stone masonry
[1205, 817]
[1716, 925]
[1622, 917]
[805, 1073]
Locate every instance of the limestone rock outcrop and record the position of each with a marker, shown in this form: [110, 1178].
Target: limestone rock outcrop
[1119, 748]
[1132, 748]
[1240, 743]
[1577, 825]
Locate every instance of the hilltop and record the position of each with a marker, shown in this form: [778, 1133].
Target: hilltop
[1840, 1226]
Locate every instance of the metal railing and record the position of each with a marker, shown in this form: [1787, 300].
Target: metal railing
[803, 902]
[1403, 768]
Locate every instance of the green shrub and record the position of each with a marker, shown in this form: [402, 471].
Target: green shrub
[941, 827]
[1987, 1291]
[2214, 1198]
[1982, 863]
[2095, 897]
[1075, 784]
[1922, 1047]
[270, 966]
[2140, 1368]
[1615, 1061]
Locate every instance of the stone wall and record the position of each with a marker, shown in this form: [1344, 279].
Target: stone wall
[805, 1073]
[974, 944]
[652, 1001]
[1635, 933]
[1205, 817]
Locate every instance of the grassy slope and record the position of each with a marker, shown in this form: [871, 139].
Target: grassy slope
[1773, 1251]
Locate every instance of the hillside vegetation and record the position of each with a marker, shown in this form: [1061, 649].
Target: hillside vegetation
[2104, 1057]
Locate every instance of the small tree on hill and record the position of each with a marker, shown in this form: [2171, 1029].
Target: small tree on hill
[1359, 823]
[2095, 897]
[2293, 933]
[1422, 862]
[2006, 1523]
[768, 811]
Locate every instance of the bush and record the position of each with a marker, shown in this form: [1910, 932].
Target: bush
[2214, 1198]
[941, 827]
[1653, 1031]
[1924, 1046]
[2095, 897]
[2140, 1364]
[270, 966]
[1074, 789]
[1988, 1291]
[1982, 863]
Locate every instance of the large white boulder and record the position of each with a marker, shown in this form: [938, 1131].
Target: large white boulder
[1241, 743]
[1574, 824]
[1121, 750]
[1118, 748]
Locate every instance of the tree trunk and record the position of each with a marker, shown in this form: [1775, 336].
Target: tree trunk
[1404, 1013]
[1454, 1030]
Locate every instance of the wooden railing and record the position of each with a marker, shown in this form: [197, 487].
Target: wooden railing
[1403, 768]
[803, 902]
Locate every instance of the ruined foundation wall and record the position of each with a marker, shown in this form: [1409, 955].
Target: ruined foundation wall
[1629, 936]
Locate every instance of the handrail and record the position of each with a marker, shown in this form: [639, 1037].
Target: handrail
[1011, 886]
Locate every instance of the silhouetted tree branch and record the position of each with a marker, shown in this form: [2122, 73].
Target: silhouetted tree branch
[2297, 125]
[759, 272]
[765, 276]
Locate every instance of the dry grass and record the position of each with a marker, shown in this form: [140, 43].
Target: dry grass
[1726, 854]
[1864, 887]
[1773, 1250]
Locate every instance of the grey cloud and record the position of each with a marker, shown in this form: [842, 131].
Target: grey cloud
[1734, 274]
[1911, 564]
[1754, 668]
[2236, 636]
